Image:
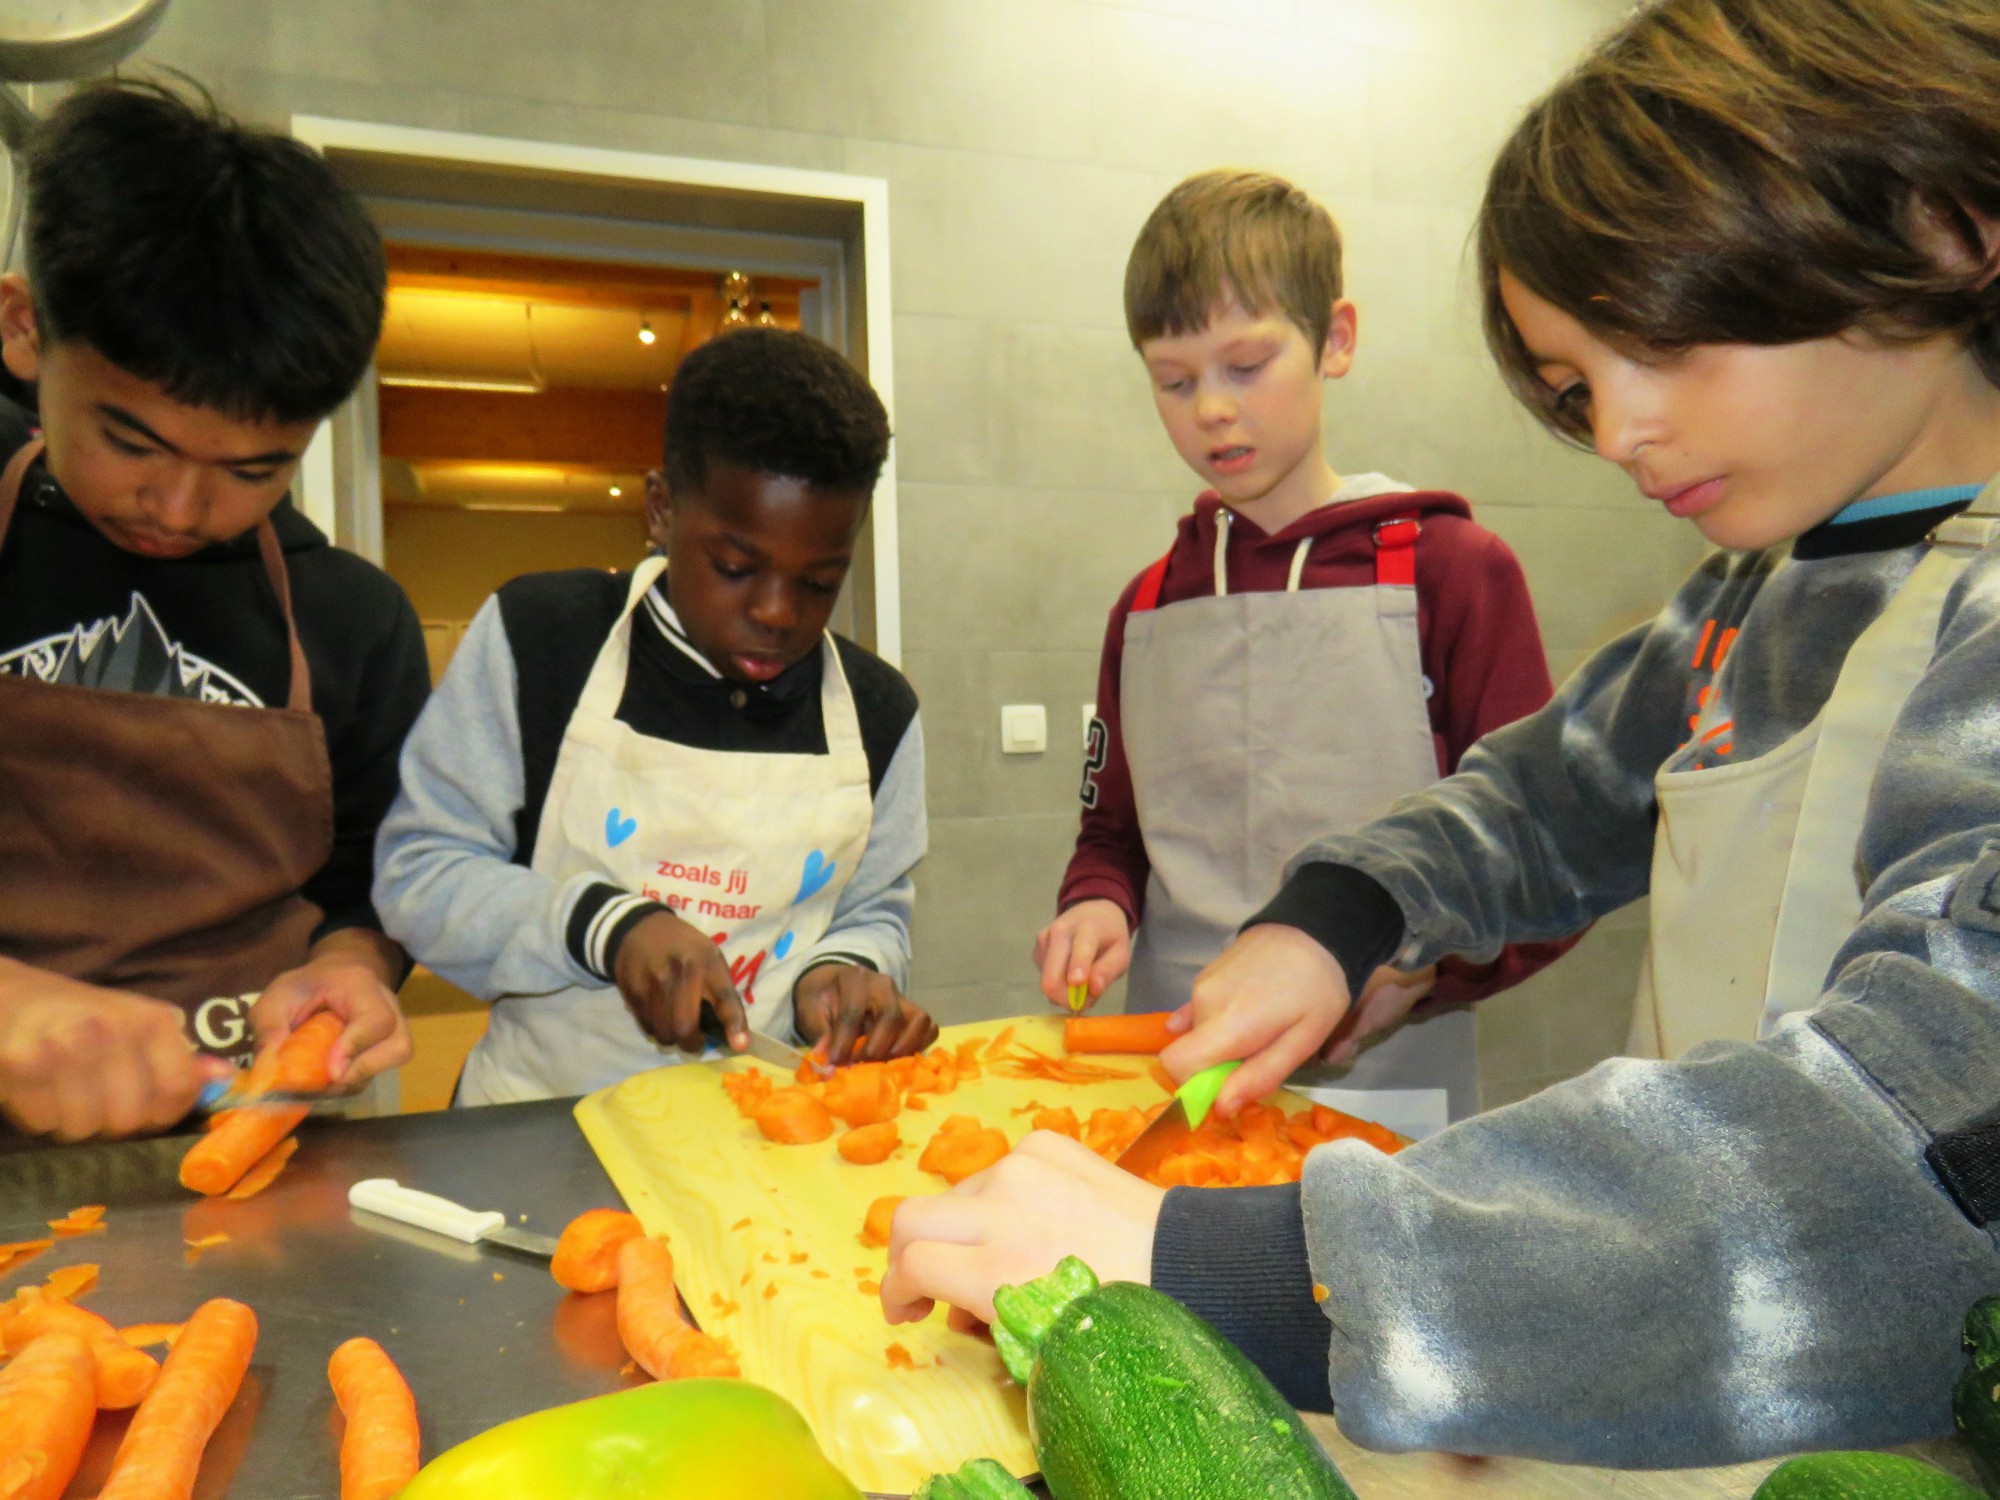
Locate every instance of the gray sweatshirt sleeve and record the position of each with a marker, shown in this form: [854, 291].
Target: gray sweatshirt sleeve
[446, 883]
[1745, 1252]
[871, 921]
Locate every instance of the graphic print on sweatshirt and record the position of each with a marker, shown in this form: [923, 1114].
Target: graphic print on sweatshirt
[132, 655]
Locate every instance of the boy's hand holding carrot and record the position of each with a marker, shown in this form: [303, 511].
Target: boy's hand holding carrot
[1089, 944]
[350, 973]
[858, 1014]
[1271, 1000]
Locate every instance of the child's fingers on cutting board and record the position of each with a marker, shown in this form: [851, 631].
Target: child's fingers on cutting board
[1048, 1198]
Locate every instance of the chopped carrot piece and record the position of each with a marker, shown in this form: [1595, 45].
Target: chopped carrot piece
[198, 1248]
[900, 1358]
[1061, 1121]
[21, 1251]
[770, 1290]
[586, 1258]
[151, 1335]
[868, 1287]
[875, 1228]
[957, 1153]
[869, 1145]
[1156, 1070]
[87, 1220]
[797, 1258]
[793, 1117]
[650, 1322]
[1000, 1041]
[740, 1224]
[70, 1282]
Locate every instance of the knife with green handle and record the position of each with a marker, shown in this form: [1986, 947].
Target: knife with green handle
[1179, 1120]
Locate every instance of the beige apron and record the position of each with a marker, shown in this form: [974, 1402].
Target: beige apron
[1754, 884]
[752, 849]
[1255, 724]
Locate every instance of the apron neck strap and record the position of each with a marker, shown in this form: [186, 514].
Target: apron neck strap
[1298, 572]
[1222, 519]
[10, 482]
[299, 699]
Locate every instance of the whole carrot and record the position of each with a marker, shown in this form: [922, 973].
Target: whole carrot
[586, 1258]
[123, 1374]
[1144, 1033]
[46, 1407]
[162, 1450]
[381, 1449]
[664, 1343]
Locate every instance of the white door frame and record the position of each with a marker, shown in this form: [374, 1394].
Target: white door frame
[870, 195]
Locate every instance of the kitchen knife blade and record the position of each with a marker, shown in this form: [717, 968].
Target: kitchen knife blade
[780, 1054]
[390, 1199]
[1179, 1120]
[224, 1093]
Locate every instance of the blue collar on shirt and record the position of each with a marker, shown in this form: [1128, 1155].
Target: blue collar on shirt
[1901, 504]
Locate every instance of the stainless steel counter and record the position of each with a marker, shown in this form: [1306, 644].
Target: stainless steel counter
[483, 1335]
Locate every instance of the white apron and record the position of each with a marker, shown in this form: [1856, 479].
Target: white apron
[1754, 883]
[752, 849]
[1255, 724]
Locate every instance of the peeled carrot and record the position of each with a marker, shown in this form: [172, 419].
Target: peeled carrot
[664, 1343]
[380, 1451]
[162, 1449]
[47, 1404]
[122, 1374]
[1144, 1033]
[875, 1227]
[217, 1162]
[793, 1117]
[868, 1145]
[586, 1258]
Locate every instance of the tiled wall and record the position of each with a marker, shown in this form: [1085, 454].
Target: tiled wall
[1024, 142]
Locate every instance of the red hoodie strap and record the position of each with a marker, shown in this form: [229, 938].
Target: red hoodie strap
[1396, 550]
[1150, 581]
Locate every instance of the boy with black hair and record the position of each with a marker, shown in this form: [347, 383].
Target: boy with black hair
[638, 797]
[202, 699]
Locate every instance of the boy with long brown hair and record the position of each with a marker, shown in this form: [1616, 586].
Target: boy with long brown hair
[1749, 251]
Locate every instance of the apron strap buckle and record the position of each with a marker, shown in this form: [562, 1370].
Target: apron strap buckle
[1396, 551]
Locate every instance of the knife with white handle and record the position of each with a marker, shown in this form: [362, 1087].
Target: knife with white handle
[390, 1199]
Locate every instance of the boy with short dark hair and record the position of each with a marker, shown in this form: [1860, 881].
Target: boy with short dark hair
[202, 699]
[1312, 648]
[639, 797]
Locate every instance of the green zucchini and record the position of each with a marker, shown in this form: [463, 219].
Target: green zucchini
[1860, 1476]
[1133, 1397]
[982, 1479]
[1975, 1400]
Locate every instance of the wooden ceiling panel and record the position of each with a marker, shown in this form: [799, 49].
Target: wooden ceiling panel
[620, 429]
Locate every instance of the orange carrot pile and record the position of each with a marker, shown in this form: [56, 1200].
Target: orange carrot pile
[87, 1220]
[1145, 1033]
[241, 1138]
[122, 1375]
[586, 1258]
[380, 1450]
[1023, 1061]
[162, 1449]
[47, 1404]
[650, 1323]
[870, 1145]
[875, 1228]
[1260, 1147]
[961, 1147]
[865, 1094]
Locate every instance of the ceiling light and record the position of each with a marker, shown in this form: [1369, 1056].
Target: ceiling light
[616, 492]
[519, 386]
[516, 507]
[646, 334]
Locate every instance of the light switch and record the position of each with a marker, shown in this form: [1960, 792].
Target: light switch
[1024, 729]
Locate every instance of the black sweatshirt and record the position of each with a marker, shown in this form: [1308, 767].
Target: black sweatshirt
[76, 608]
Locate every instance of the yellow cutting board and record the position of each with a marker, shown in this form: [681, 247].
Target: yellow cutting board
[693, 1169]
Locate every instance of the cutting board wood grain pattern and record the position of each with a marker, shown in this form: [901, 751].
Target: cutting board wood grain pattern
[694, 1170]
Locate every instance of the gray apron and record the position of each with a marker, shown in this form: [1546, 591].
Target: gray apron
[1255, 724]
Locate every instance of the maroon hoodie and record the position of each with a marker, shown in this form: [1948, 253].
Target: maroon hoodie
[1482, 660]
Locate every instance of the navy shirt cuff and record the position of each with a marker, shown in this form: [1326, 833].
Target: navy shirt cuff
[1237, 1258]
[1349, 914]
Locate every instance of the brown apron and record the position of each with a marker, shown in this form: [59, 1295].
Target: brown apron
[159, 845]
